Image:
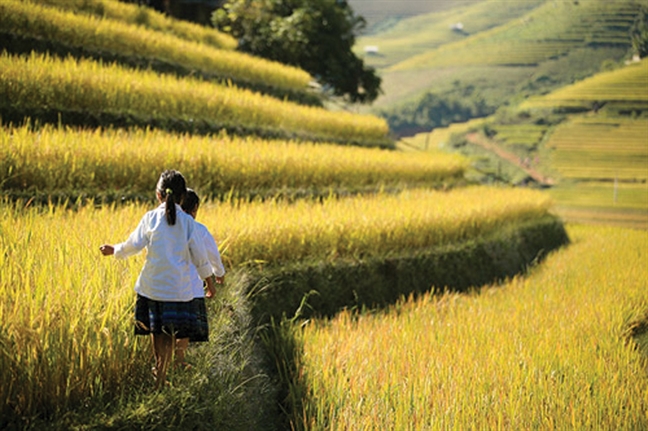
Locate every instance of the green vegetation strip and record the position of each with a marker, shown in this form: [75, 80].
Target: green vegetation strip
[105, 34]
[40, 82]
[375, 281]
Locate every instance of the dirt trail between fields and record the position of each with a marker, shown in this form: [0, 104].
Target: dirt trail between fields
[477, 139]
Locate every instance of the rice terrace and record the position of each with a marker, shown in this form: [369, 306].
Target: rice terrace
[469, 251]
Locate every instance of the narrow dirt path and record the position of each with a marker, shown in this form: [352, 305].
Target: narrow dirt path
[477, 139]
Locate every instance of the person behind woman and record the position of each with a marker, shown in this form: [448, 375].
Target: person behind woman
[190, 205]
[164, 306]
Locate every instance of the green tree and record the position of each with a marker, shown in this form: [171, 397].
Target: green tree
[315, 35]
[639, 33]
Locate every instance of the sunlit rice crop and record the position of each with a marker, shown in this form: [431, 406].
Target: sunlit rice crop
[547, 351]
[62, 160]
[377, 225]
[38, 82]
[146, 17]
[626, 84]
[65, 319]
[111, 35]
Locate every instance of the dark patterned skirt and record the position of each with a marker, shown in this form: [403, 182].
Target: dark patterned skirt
[202, 331]
[182, 319]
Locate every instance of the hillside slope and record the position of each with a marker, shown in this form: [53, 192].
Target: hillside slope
[381, 14]
[498, 57]
[590, 138]
[304, 218]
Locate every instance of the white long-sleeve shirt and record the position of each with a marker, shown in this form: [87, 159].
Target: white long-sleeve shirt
[214, 259]
[172, 253]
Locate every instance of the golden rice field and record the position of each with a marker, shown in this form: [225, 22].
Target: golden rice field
[66, 331]
[551, 350]
[39, 81]
[378, 225]
[619, 195]
[51, 159]
[113, 35]
[147, 18]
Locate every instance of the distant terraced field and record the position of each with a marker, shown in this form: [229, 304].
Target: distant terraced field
[548, 32]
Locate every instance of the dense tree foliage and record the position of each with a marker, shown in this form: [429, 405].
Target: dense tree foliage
[315, 35]
[437, 110]
[639, 33]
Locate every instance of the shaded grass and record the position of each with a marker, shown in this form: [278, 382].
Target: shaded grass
[375, 281]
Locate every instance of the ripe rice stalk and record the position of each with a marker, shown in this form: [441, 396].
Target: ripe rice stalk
[111, 35]
[145, 17]
[66, 313]
[54, 160]
[551, 350]
[36, 82]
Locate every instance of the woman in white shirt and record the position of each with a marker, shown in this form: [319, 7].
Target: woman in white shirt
[190, 205]
[164, 306]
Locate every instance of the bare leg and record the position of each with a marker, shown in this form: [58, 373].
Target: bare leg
[181, 348]
[163, 345]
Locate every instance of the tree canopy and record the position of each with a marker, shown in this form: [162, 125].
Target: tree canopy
[315, 35]
[639, 33]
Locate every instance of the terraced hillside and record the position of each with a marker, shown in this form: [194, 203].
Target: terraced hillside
[590, 138]
[497, 55]
[315, 211]
[142, 38]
